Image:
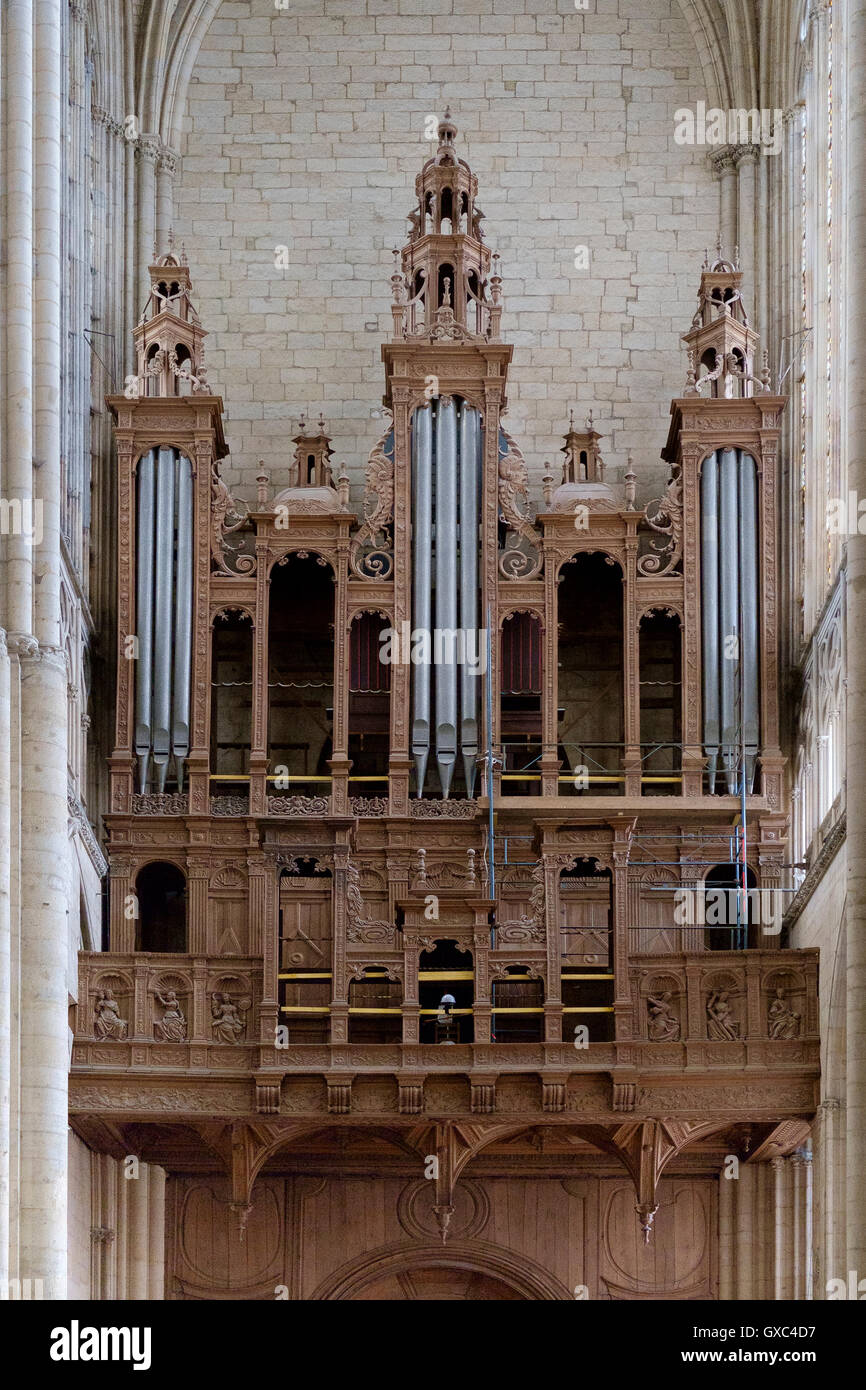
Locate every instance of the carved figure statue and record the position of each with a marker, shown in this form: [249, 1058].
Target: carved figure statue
[228, 1026]
[783, 1021]
[172, 1026]
[721, 1025]
[107, 1022]
[663, 1025]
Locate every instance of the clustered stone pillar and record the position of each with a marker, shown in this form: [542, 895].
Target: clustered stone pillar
[765, 1235]
[855, 917]
[34, 927]
[128, 1230]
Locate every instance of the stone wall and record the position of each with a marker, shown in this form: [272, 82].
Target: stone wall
[305, 130]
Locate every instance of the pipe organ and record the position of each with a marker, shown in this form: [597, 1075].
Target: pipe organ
[366, 848]
[729, 595]
[164, 551]
[446, 471]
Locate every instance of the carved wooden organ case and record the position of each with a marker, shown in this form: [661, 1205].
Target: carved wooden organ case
[324, 829]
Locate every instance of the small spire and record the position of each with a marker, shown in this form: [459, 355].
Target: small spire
[571, 420]
[321, 422]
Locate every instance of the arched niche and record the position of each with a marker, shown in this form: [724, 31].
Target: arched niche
[300, 673]
[369, 703]
[517, 988]
[231, 700]
[520, 690]
[375, 1006]
[660, 659]
[160, 890]
[444, 968]
[590, 696]
[731, 920]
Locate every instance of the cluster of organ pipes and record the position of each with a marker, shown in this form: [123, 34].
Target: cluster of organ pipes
[164, 540]
[446, 479]
[729, 600]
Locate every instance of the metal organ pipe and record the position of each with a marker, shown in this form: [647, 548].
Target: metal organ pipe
[728, 612]
[729, 599]
[749, 609]
[164, 592]
[445, 534]
[144, 613]
[422, 477]
[470, 459]
[182, 618]
[165, 508]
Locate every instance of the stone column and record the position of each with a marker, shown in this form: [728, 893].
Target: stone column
[165, 172]
[855, 923]
[727, 1271]
[18, 307]
[828, 1137]
[723, 163]
[147, 153]
[5, 953]
[122, 1207]
[801, 1262]
[138, 1242]
[782, 1242]
[44, 841]
[746, 161]
[44, 1030]
[156, 1234]
[744, 1229]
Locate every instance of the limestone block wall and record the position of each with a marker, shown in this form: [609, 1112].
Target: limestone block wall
[305, 130]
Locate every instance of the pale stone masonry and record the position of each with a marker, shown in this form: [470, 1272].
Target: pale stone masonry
[302, 130]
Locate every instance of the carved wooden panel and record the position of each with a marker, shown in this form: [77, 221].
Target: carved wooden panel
[585, 920]
[206, 1256]
[374, 1239]
[227, 924]
[305, 928]
[679, 1262]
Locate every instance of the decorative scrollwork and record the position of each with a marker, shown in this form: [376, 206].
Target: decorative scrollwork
[160, 804]
[514, 561]
[370, 557]
[229, 805]
[368, 805]
[433, 810]
[665, 515]
[227, 516]
[183, 373]
[359, 928]
[299, 805]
